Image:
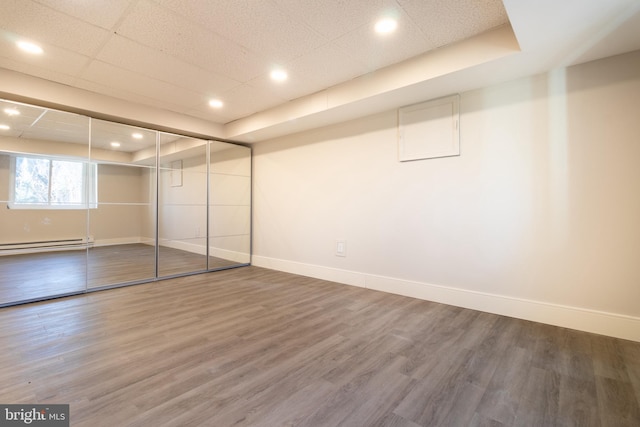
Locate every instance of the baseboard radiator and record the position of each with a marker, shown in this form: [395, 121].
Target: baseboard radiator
[46, 245]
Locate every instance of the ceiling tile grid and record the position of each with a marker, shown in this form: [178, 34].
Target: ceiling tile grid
[308, 74]
[133, 97]
[178, 54]
[334, 18]
[45, 25]
[131, 56]
[445, 22]
[166, 95]
[37, 71]
[63, 126]
[384, 50]
[55, 60]
[103, 13]
[44, 124]
[159, 29]
[259, 26]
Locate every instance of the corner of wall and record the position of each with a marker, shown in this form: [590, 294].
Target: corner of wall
[593, 321]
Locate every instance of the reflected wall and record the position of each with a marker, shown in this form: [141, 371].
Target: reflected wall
[43, 217]
[121, 226]
[122, 204]
[229, 205]
[182, 205]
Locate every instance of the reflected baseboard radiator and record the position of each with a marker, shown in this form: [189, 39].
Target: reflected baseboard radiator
[45, 246]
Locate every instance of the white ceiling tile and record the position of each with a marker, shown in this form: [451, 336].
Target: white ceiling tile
[47, 26]
[127, 54]
[103, 13]
[327, 66]
[260, 26]
[207, 83]
[103, 89]
[43, 73]
[380, 50]
[154, 26]
[333, 18]
[55, 63]
[125, 80]
[177, 54]
[322, 68]
[445, 22]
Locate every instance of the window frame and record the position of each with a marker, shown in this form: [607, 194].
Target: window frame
[89, 185]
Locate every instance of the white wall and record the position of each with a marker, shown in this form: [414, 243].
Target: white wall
[539, 218]
[183, 208]
[121, 212]
[230, 202]
[112, 222]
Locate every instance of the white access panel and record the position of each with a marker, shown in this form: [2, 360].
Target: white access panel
[429, 129]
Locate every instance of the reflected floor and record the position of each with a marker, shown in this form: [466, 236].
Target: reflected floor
[38, 275]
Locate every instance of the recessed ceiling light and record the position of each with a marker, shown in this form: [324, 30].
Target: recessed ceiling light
[11, 111]
[386, 26]
[4, 127]
[30, 47]
[216, 103]
[137, 135]
[279, 75]
[115, 144]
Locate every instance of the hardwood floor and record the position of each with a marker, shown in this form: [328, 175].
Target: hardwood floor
[38, 275]
[254, 347]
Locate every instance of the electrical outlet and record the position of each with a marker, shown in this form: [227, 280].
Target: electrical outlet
[341, 248]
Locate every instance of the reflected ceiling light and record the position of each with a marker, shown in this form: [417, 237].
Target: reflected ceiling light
[4, 127]
[216, 103]
[115, 144]
[279, 75]
[386, 26]
[137, 135]
[30, 47]
[11, 111]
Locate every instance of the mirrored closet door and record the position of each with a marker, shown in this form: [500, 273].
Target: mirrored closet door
[122, 231]
[182, 205]
[88, 204]
[46, 186]
[229, 205]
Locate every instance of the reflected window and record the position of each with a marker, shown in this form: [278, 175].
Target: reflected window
[47, 183]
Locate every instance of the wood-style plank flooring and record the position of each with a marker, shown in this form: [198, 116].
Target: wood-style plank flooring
[38, 275]
[254, 347]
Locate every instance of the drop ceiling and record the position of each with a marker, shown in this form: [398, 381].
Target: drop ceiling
[173, 56]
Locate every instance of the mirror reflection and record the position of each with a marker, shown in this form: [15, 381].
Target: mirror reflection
[46, 186]
[182, 205]
[229, 205]
[122, 225]
[87, 204]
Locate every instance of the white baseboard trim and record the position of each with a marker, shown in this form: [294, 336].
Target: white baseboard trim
[202, 250]
[117, 241]
[239, 257]
[598, 322]
[325, 273]
[184, 246]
